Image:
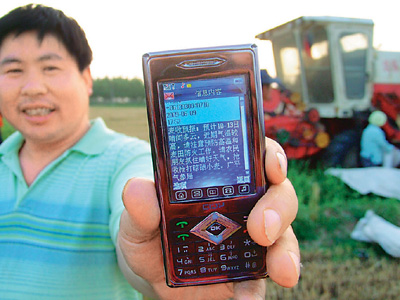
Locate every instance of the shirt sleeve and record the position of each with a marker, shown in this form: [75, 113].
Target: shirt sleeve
[382, 142]
[134, 162]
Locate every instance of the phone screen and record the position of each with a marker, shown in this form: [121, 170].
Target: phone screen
[207, 138]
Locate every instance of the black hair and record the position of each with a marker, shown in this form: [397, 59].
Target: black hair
[46, 20]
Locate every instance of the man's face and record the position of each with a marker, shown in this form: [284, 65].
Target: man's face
[42, 92]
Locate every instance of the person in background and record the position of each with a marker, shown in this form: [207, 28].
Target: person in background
[375, 149]
[272, 105]
[66, 232]
[276, 100]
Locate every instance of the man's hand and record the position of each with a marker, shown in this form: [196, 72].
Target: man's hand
[139, 239]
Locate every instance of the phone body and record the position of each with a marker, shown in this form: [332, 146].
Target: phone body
[206, 129]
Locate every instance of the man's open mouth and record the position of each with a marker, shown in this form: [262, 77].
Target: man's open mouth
[38, 111]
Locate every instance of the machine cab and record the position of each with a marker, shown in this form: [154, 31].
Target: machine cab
[327, 60]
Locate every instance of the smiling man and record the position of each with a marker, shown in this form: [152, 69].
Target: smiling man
[52, 108]
[66, 233]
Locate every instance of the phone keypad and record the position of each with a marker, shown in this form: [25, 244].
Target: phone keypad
[195, 257]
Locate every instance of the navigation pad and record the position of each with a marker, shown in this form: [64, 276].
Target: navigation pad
[215, 228]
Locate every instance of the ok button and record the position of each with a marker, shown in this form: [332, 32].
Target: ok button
[215, 228]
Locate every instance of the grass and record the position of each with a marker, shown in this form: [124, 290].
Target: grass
[7, 129]
[329, 209]
[334, 265]
[130, 120]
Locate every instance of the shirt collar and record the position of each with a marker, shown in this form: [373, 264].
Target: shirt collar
[12, 143]
[96, 140]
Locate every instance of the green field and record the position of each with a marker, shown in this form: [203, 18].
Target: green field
[334, 265]
[129, 120]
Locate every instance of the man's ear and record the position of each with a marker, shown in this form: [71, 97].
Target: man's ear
[87, 77]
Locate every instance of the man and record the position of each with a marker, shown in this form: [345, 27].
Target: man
[65, 232]
[272, 105]
[276, 101]
[375, 149]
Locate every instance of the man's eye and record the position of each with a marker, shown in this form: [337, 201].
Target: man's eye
[50, 68]
[14, 71]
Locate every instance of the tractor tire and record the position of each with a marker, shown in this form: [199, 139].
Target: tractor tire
[343, 151]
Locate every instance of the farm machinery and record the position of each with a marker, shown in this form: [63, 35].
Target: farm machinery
[330, 79]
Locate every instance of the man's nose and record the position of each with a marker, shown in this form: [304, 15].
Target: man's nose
[34, 84]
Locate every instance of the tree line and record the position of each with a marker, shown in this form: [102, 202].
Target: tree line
[118, 90]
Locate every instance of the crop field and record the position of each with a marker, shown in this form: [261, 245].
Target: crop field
[334, 265]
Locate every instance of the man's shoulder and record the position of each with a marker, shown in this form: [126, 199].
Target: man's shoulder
[120, 141]
[101, 139]
[12, 144]
[373, 129]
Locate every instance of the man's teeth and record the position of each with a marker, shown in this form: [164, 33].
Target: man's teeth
[38, 111]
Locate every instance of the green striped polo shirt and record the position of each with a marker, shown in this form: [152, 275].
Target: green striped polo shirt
[57, 236]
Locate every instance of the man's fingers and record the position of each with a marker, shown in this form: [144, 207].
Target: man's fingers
[269, 221]
[283, 260]
[276, 210]
[275, 162]
[273, 213]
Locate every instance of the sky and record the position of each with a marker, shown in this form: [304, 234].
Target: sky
[121, 31]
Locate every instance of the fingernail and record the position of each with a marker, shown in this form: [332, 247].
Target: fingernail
[272, 224]
[282, 163]
[296, 262]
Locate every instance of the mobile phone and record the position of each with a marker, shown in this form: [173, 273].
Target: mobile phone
[207, 137]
